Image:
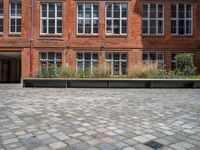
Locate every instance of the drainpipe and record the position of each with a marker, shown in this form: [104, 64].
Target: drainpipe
[31, 36]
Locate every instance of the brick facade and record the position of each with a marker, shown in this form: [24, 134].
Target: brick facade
[134, 43]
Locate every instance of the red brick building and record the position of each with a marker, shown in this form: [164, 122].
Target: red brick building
[81, 33]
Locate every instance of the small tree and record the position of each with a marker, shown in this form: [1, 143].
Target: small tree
[185, 64]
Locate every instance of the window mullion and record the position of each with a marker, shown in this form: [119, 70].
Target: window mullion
[120, 18]
[185, 20]
[92, 9]
[149, 19]
[15, 18]
[112, 24]
[47, 8]
[56, 19]
[84, 18]
[177, 19]
[157, 19]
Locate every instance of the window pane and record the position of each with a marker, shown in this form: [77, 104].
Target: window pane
[108, 26]
[43, 55]
[173, 11]
[95, 56]
[116, 10]
[80, 55]
[109, 10]
[152, 26]
[1, 9]
[88, 10]
[152, 56]
[18, 9]
[59, 26]
[116, 56]
[124, 10]
[12, 5]
[145, 26]
[95, 26]
[160, 27]
[145, 56]
[44, 26]
[58, 56]
[59, 10]
[80, 10]
[116, 27]
[88, 26]
[160, 11]
[173, 26]
[80, 26]
[95, 11]
[145, 11]
[152, 10]
[1, 25]
[124, 26]
[181, 10]
[51, 10]
[188, 27]
[181, 26]
[189, 11]
[51, 55]
[160, 56]
[87, 56]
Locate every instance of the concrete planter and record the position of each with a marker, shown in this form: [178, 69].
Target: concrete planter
[111, 83]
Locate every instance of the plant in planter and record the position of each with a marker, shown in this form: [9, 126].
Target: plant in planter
[184, 64]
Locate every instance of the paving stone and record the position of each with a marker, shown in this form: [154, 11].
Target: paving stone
[58, 145]
[105, 146]
[129, 148]
[141, 139]
[72, 141]
[99, 118]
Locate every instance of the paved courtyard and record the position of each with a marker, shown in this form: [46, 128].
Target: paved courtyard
[99, 119]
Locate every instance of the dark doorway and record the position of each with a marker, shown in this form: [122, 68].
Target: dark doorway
[5, 71]
[10, 67]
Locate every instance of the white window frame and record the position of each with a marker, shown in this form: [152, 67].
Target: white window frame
[56, 18]
[92, 19]
[2, 17]
[83, 60]
[185, 19]
[157, 19]
[111, 62]
[157, 60]
[15, 17]
[47, 59]
[112, 19]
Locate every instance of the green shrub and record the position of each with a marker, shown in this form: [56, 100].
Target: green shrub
[51, 72]
[101, 72]
[185, 65]
[68, 72]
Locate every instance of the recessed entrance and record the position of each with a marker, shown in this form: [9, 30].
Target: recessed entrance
[10, 67]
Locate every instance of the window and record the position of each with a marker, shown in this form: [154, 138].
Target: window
[153, 19]
[15, 17]
[51, 18]
[88, 18]
[116, 18]
[86, 63]
[117, 63]
[1, 17]
[50, 60]
[153, 57]
[181, 22]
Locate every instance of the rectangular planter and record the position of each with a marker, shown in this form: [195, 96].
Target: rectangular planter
[110, 83]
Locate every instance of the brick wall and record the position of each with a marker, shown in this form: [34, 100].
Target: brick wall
[69, 43]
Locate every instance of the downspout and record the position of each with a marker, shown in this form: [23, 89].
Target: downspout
[31, 37]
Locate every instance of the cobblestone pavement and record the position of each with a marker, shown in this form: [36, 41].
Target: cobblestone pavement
[99, 119]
